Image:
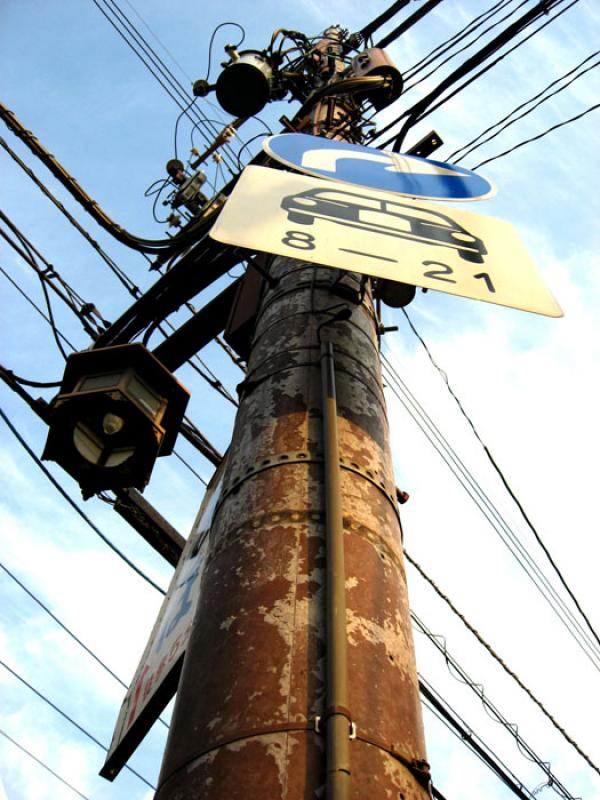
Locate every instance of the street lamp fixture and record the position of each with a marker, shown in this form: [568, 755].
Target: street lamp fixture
[118, 409]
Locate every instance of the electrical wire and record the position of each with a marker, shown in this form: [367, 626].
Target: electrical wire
[427, 6]
[369, 29]
[69, 719]
[412, 120]
[536, 138]
[493, 516]
[459, 728]
[42, 764]
[28, 382]
[37, 308]
[500, 661]
[82, 309]
[463, 48]
[185, 110]
[446, 45]
[208, 450]
[132, 288]
[459, 673]
[68, 631]
[75, 507]
[117, 271]
[191, 469]
[504, 480]
[424, 106]
[134, 40]
[479, 141]
[160, 246]
[212, 39]
[156, 38]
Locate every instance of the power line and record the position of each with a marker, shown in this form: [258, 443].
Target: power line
[424, 107]
[491, 513]
[85, 312]
[501, 661]
[459, 673]
[539, 136]
[82, 309]
[504, 480]
[370, 28]
[428, 6]
[446, 45]
[478, 141]
[42, 764]
[464, 47]
[458, 727]
[429, 109]
[34, 304]
[134, 290]
[67, 630]
[166, 246]
[134, 40]
[158, 40]
[75, 507]
[69, 719]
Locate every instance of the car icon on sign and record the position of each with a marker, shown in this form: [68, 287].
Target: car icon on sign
[383, 216]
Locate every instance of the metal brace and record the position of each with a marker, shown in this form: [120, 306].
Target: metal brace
[351, 725]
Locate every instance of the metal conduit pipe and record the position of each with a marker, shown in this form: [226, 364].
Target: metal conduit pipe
[337, 716]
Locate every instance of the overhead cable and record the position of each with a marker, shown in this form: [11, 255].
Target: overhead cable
[171, 244]
[459, 673]
[504, 480]
[491, 513]
[200, 367]
[135, 40]
[424, 107]
[501, 662]
[86, 313]
[476, 60]
[460, 50]
[158, 40]
[36, 307]
[67, 630]
[536, 138]
[42, 764]
[369, 29]
[449, 717]
[75, 507]
[428, 6]
[69, 719]
[446, 45]
[133, 290]
[479, 141]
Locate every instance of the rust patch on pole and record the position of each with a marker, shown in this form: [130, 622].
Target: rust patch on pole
[253, 680]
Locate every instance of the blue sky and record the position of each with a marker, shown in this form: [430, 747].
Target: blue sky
[528, 382]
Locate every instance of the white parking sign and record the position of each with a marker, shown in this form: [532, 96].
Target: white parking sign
[384, 235]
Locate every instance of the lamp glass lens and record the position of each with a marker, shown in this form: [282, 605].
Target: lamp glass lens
[90, 382]
[87, 443]
[149, 401]
[118, 456]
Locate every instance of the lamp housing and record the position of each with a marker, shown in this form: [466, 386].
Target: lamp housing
[375, 62]
[394, 293]
[118, 409]
[245, 85]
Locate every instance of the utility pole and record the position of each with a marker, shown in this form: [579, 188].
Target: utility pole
[299, 679]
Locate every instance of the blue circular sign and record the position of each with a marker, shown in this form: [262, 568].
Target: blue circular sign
[407, 175]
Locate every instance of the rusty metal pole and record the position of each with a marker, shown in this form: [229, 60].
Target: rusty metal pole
[254, 678]
[337, 714]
